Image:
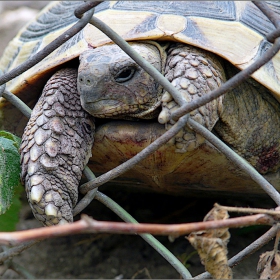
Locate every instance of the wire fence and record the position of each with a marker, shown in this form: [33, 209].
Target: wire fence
[85, 13]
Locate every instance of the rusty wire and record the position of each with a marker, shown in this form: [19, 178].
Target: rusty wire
[185, 108]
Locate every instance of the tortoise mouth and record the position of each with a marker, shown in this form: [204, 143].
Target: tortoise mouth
[102, 108]
[110, 121]
[112, 108]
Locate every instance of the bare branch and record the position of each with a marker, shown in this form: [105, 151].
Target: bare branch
[89, 225]
[249, 210]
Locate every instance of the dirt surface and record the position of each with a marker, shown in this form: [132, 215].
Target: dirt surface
[129, 256]
[122, 256]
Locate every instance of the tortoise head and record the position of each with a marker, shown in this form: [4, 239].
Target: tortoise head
[112, 85]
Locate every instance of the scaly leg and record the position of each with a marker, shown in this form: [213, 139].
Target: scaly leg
[56, 146]
[194, 73]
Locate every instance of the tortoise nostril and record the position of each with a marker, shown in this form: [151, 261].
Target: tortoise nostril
[85, 80]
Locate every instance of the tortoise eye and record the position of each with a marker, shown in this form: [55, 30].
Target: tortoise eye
[125, 75]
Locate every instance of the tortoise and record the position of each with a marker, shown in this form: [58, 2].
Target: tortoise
[97, 106]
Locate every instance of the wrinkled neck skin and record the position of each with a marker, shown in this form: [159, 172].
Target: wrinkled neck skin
[112, 85]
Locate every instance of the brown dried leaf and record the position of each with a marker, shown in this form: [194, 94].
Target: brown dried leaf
[269, 265]
[217, 214]
[213, 255]
[211, 246]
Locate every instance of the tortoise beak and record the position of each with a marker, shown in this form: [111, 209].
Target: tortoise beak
[100, 108]
[87, 88]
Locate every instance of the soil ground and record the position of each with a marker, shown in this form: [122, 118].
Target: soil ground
[123, 256]
[129, 256]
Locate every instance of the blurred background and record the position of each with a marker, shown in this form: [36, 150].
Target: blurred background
[14, 15]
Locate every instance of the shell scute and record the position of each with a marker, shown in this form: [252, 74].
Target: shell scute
[232, 29]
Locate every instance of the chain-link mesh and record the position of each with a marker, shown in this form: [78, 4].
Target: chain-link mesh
[85, 13]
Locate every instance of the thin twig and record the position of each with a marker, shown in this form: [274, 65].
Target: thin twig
[89, 225]
[277, 238]
[249, 210]
[263, 219]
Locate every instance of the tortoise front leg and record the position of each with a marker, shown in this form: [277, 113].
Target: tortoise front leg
[56, 146]
[194, 73]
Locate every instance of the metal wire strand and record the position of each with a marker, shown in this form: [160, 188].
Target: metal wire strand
[2, 87]
[270, 14]
[118, 40]
[20, 105]
[243, 75]
[273, 17]
[83, 8]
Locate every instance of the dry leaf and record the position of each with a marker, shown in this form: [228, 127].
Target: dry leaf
[211, 246]
[269, 265]
[217, 214]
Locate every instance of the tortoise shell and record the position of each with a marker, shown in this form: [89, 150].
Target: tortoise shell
[234, 30]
